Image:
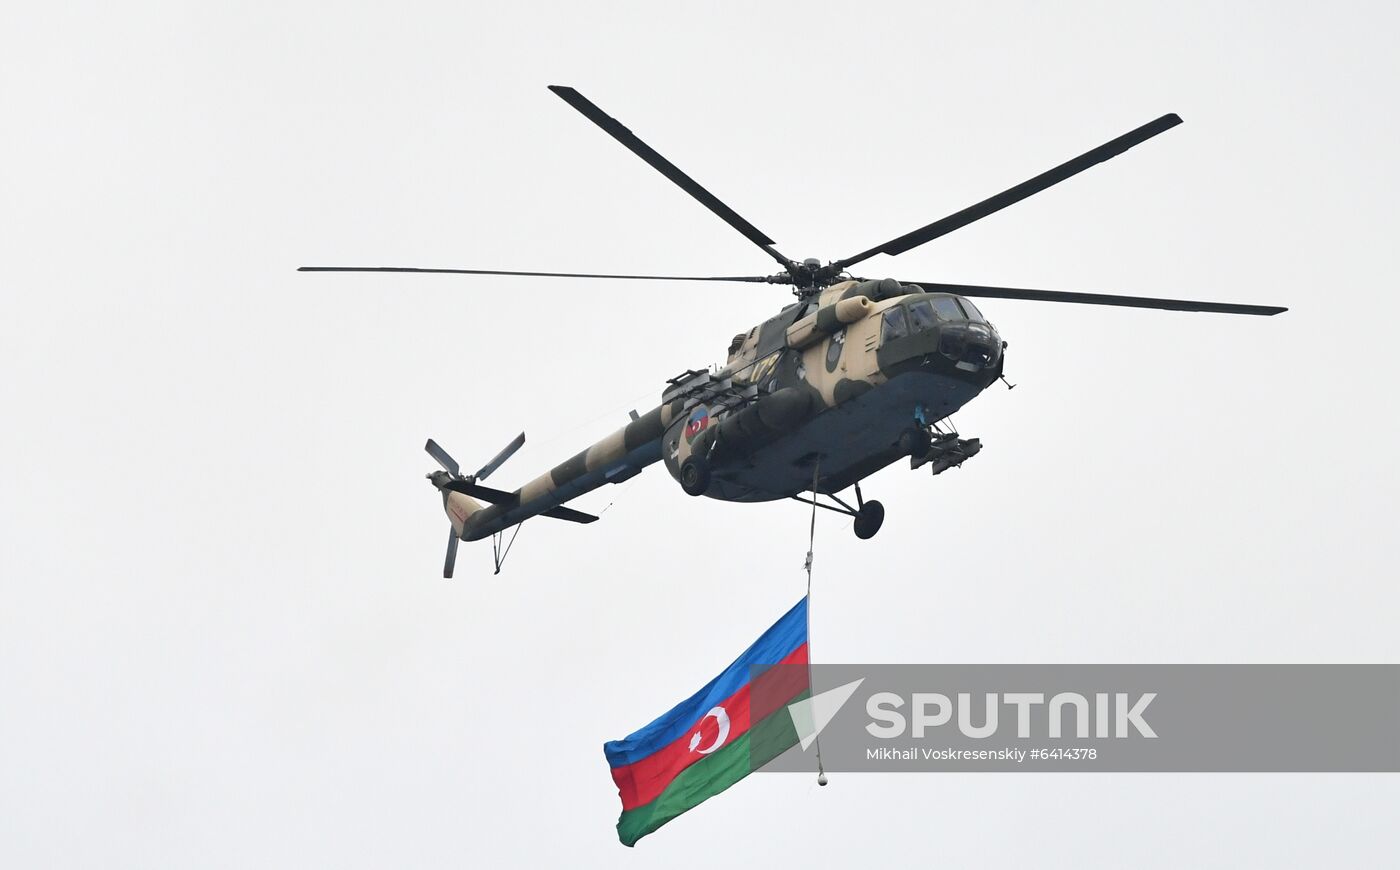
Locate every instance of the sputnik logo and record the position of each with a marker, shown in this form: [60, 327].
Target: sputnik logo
[811, 715]
[721, 719]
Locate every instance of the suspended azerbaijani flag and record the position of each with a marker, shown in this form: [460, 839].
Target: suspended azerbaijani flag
[714, 738]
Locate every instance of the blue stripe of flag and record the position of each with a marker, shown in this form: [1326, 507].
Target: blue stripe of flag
[785, 635]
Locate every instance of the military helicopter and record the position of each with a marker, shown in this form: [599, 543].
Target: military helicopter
[854, 375]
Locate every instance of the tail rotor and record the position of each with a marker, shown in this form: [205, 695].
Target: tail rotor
[447, 462]
[450, 479]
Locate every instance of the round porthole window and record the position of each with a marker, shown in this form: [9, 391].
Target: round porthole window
[833, 350]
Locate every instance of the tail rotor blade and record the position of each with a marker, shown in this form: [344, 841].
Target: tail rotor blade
[447, 462]
[448, 565]
[500, 458]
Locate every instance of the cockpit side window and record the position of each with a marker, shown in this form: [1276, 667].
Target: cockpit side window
[972, 312]
[921, 316]
[947, 308]
[895, 324]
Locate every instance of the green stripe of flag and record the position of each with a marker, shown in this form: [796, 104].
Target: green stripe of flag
[705, 779]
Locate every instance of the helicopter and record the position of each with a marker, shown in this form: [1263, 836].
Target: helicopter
[852, 376]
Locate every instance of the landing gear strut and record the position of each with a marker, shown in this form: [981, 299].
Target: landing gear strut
[868, 515]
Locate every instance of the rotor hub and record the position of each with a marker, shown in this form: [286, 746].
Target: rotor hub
[808, 277]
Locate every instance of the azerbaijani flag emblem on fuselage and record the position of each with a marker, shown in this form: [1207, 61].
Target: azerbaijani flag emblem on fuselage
[714, 738]
[699, 419]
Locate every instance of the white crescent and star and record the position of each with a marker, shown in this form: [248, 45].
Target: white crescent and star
[722, 719]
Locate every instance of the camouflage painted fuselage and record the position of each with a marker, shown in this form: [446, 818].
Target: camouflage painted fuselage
[825, 387]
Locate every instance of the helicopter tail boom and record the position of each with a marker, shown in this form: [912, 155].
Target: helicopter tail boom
[477, 511]
[613, 459]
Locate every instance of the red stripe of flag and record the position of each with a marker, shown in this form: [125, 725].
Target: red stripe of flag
[641, 781]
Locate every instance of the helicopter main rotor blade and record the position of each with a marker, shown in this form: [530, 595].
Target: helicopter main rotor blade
[751, 279]
[994, 204]
[1098, 299]
[630, 141]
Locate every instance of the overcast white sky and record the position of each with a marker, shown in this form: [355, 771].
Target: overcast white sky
[224, 640]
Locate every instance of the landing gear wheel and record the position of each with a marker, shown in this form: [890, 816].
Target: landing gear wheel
[869, 519]
[695, 476]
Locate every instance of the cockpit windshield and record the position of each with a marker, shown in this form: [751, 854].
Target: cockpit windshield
[921, 316]
[947, 308]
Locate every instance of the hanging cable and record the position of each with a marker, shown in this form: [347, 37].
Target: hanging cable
[615, 500]
[811, 687]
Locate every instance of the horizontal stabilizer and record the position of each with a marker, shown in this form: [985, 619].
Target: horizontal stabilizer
[573, 516]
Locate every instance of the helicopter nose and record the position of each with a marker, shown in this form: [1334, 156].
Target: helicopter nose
[971, 345]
